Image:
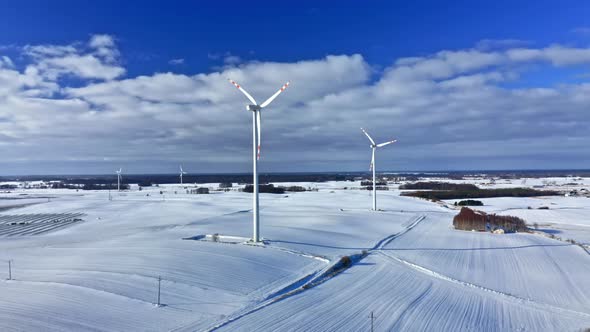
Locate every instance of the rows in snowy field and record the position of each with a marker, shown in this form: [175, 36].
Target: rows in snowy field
[35, 224]
[524, 265]
[402, 299]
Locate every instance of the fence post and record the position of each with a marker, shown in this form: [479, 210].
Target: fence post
[159, 283]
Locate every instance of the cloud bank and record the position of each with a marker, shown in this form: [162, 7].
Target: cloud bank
[455, 109]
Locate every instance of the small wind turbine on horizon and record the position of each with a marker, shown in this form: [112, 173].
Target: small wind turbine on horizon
[372, 167]
[255, 108]
[119, 179]
[181, 173]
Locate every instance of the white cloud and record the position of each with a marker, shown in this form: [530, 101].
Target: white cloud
[102, 41]
[178, 61]
[582, 30]
[232, 60]
[443, 108]
[83, 66]
[498, 44]
[228, 58]
[105, 47]
[6, 62]
[97, 62]
[42, 51]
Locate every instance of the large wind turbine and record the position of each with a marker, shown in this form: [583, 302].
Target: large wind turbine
[255, 108]
[119, 179]
[181, 173]
[374, 147]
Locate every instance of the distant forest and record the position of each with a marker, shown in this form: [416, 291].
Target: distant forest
[438, 186]
[246, 178]
[479, 193]
[147, 179]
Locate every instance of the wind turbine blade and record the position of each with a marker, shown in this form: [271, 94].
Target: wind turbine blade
[386, 143]
[370, 139]
[372, 160]
[259, 130]
[269, 100]
[243, 91]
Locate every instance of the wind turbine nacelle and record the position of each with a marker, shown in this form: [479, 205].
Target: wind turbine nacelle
[253, 108]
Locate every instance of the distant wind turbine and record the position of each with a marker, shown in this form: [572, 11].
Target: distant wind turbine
[372, 167]
[119, 179]
[181, 173]
[255, 108]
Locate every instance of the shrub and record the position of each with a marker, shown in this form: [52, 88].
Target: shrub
[377, 188]
[295, 189]
[470, 202]
[346, 261]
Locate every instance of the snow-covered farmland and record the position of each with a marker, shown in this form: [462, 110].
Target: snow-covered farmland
[416, 273]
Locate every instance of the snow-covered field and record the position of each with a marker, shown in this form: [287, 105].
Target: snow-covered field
[417, 273]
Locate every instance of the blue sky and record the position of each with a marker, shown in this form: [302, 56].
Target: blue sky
[151, 34]
[147, 74]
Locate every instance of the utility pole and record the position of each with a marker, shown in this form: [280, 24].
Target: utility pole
[372, 320]
[10, 269]
[159, 283]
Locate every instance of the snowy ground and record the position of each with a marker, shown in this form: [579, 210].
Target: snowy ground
[419, 273]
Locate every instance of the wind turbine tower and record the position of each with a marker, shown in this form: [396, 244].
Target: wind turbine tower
[181, 174]
[373, 148]
[255, 108]
[119, 179]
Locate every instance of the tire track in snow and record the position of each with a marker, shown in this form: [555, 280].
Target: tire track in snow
[309, 281]
[412, 223]
[296, 287]
[521, 300]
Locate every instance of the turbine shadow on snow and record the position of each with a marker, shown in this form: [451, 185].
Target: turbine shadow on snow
[319, 245]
